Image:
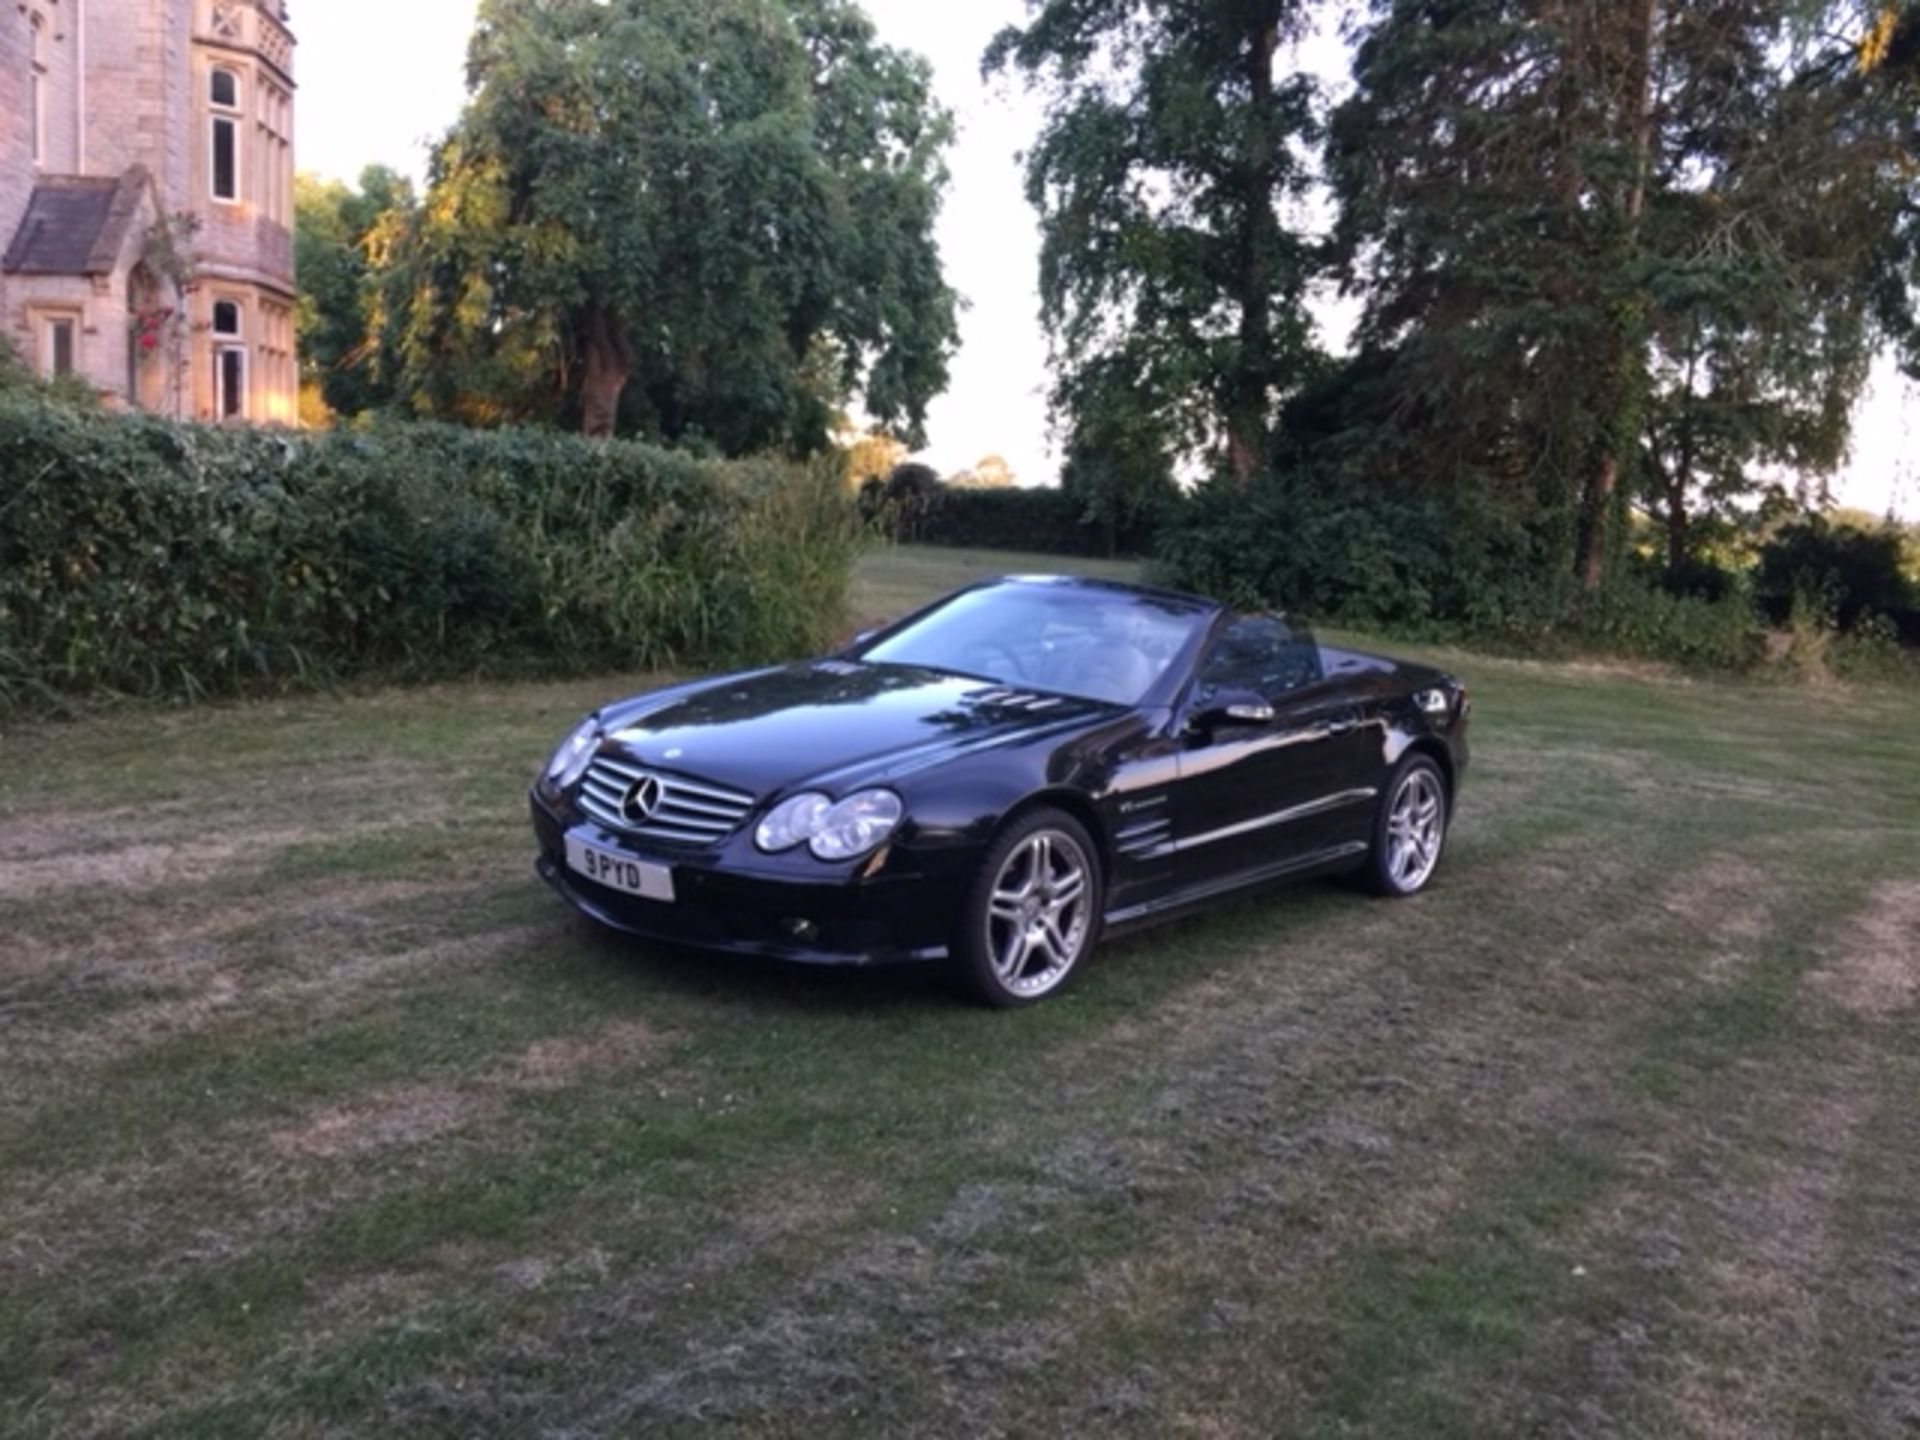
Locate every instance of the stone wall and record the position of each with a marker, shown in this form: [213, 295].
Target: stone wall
[61, 52]
[16, 153]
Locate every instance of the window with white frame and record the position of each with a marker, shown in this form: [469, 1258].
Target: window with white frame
[229, 362]
[223, 141]
[37, 86]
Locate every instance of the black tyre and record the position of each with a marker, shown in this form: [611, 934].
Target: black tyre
[1032, 913]
[1411, 829]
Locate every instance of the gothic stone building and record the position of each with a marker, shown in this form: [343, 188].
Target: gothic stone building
[146, 201]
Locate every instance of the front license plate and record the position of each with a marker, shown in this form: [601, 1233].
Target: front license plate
[608, 867]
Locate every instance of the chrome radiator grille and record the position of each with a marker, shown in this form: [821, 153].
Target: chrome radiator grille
[636, 801]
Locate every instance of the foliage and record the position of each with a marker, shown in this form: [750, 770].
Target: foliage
[913, 504]
[1854, 575]
[894, 505]
[17, 377]
[1444, 563]
[1118, 476]
[1036, 518]
[144, 557]
[989, 472]
[338, 233]
[1400, 562]
[706, 222]
[1873, 651]
[1172, 292]
[873, 457]
[1631, 251]
[15, 374]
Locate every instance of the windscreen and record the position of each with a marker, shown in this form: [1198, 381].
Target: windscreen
[1109, 645]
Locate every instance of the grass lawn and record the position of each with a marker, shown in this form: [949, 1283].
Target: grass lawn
[319, 1115]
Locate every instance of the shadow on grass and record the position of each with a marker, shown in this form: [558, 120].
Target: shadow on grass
[1149, 960]
[759, 982]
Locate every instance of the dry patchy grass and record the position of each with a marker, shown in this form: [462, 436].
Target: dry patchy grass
[318, 1116]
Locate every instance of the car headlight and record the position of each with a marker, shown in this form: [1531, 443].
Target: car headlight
[570, 761]
[856, 825]
[842, 831]
[792, 822]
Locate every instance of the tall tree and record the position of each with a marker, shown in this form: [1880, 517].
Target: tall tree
[708, 221]
[1169, 282]
[338, 234]
[1593, 237]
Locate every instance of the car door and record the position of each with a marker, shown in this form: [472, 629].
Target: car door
[1259, 795]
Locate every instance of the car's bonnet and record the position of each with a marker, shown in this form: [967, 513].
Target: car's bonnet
[834, 720]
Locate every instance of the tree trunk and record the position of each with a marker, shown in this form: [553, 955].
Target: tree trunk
[608, 363]
[1678, 530]
[1623, 391]
[1249, 392]
[1681, 479]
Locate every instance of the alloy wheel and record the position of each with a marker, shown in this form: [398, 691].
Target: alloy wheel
[1416, 826]
[1038, 917]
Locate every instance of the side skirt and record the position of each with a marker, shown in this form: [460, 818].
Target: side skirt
[1338, 857]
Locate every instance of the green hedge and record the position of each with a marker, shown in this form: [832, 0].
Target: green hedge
[1040, 519]
[1433, 566]
[143, 557]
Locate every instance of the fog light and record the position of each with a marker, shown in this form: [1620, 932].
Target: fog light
[805, 931]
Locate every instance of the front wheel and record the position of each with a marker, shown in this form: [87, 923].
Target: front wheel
[1410, 829]
[1032, 913]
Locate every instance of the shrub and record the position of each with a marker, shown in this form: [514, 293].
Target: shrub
[1641, 618]
[1446, 565]
[1872, 651]
[1046, 520]
[1860, 573]
[144, 557]
[896, 505]
[913, 504]
[1366, 557]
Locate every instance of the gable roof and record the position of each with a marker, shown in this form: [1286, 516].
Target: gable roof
[76, 224]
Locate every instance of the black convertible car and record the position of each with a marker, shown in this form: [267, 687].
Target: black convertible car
[999, 780]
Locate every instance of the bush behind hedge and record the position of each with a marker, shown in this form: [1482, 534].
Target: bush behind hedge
[144, 557]
[1043, 519]
[1433, 566]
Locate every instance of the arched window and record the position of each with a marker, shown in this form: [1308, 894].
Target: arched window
[223, 99]
[37, 86]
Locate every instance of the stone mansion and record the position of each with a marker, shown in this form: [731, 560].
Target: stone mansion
[146, 201]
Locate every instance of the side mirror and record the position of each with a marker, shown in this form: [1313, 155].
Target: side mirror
[1231, 707]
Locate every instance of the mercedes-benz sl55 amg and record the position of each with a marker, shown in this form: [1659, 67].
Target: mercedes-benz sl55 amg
[1001, 779]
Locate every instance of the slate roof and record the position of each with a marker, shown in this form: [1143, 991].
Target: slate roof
[76, 224]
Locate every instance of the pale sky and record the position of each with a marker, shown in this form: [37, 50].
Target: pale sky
[381, 79]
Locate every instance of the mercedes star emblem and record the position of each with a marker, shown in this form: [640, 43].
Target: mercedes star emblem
[641, 800]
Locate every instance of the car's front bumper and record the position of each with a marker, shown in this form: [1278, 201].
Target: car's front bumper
[837, 916]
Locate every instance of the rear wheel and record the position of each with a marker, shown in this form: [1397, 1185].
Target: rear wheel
[1032, 913]
[1410, 830]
